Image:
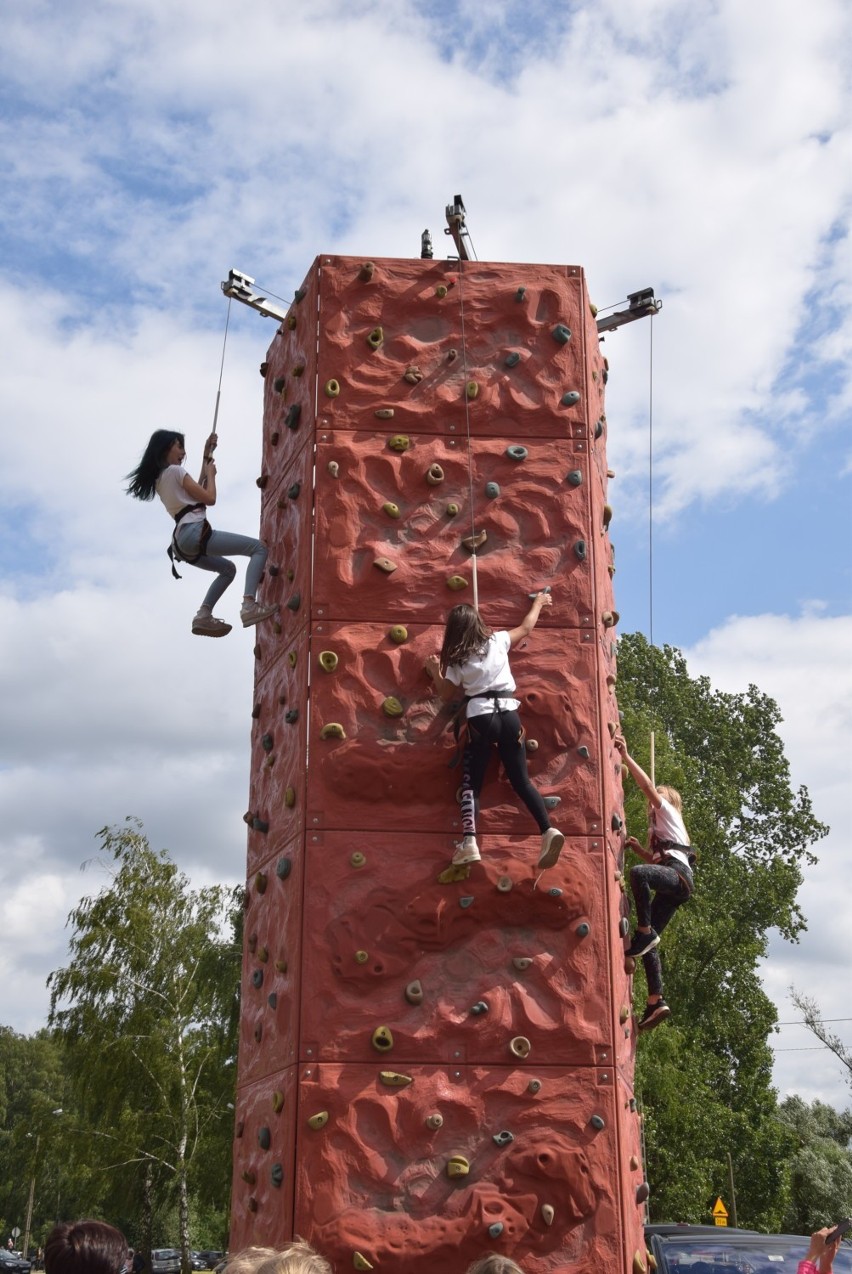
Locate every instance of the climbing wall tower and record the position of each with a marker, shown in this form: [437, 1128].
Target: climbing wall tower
[434, 1064]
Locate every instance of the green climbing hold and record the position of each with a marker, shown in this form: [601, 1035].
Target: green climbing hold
[517, 453]
[392, 707]
[399, 442]
[569, 399]
[472, 389]
[391, 509]
[561, 334]
[492, 490]
[328, 660]
[290, 797]
[393, 1079]
[575, 478]
[520, 294]
[441, 291]
[452, 510]
[456, 583]
[319, 1120]
[512, 359]
[332, 388]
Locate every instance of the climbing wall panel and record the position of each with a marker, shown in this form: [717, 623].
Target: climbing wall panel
[264, 1158]
[272, 959]
[538, 1144]
[441, 352]
[457, 971]
[434, 1061]
[394, 512]
[367, 779]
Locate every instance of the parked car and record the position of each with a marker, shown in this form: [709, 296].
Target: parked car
[12, 1263]
[710, 1249]
[210, 1257]
[165, 1260]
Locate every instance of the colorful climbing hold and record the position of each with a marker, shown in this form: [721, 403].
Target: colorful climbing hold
[264, 1137]
[385, 564]
[504, 884]
[319, 1120]
[492, 490]
[471, 389]
[520, 294]
[517, 453]
[534, 1086]
[452, 510]
[575, 478]
[262, 481]
[466, 901]
[360, 1262]
[392, 707]
[399, 442]
[257, 978]
[334, 730]
[639, 1266]
[414, 992]
[361, 957]
[583, 751]
[393, 1079]
[495, 1229]
[382, 1039]
[278, 384]
[598, 1122]
[398, 634]
[365, 274]
[452, 355]
[260, 880]
[457, 1166]
[332, 388]
[441, 291]
[454, 873]
[522, 962]
[376, 338]
[434, 475]
[291, 716]
[561, 334]
[328, 660]
[276, 1174]
[643, 1192]
[580, 550]
[512, 359]
[520, 1046]
[599, 428]
[456, 582]
[583, 929]
[267, 742]
[474, 542]
[384, 413]
[570, 398]
[551, 802]
[391, 509]
[333, 468]
[480, 1007]
[357, 859]
[283, 867]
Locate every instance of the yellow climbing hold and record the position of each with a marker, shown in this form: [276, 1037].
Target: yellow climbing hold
[319, 1120]
[399, 442]
[334, 730]
[453, 873]
[398, 634]
[472, 389]
[607, 515]
[328, 660]
[360, 1261]
[376, 338]
[277, 1101]
[441, 290]
[384, 413]
[332, 388]
[365, 274]
[639, 1266]
[457, 1166]
[290, 797]
[382, 1039]
[392, 707]
[393, 1079]
[358, 859]
[391, 509]
[456, 582]
[361, 957]
[385, 564]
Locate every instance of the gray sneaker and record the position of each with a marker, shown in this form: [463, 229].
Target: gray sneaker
[467, 851]
[551, 847]
[210, 626]
[254, 612]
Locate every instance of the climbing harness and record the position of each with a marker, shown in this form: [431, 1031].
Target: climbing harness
[174, 551]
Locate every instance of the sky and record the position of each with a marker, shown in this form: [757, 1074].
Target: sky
[700, 147]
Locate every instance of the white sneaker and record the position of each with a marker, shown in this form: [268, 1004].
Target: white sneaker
[551, 847]
[254, 612]
[210, 626]
[467, 851]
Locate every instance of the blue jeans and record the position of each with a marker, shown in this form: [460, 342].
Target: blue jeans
[221, 546]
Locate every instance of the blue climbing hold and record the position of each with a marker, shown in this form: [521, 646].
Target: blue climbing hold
[466, 901]
[479, 1008]
[598, 1123]
[561, 333]
[580, 550]
[551, 802]
[495, 1230]
[517, 453]
[583, 930]
[492, 490]
[575, 478]
[512, 359]
[257, 978]
[283, 868]
[570, 398]
[520, 294]
[584, 752]
[554, 892]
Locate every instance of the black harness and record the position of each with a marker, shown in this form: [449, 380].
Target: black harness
[663, 848]
[174, 551]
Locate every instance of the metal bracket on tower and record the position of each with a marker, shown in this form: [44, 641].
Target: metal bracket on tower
[641, 305]
[456, 227]
[238, 286]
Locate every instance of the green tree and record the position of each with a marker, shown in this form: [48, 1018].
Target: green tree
[145, 1009]
[705, 1078]
[821, 1166]
[809, 1010]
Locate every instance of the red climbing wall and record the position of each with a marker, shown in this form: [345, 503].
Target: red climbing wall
[434, 1063]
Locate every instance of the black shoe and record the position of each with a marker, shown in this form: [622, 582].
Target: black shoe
[642, 943]
[654, 1014]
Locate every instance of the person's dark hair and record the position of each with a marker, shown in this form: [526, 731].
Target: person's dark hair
[493, 1263]
[143, 479]
[85, 1247]
[464, 635]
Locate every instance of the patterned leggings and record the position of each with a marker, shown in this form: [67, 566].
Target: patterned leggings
[502, 730]
[669, 894]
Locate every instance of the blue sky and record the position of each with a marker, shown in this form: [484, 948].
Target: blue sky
[701, 148]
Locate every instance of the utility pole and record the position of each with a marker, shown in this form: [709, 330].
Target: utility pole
[733, 1191]
[29, 1219]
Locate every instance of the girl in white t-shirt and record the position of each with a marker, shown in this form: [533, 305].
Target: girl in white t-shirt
[475, 660]
[161, 472]
[666, 871]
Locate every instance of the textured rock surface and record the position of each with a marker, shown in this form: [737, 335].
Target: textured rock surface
[392, 1022]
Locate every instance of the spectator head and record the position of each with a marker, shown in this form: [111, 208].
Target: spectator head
[297, 1257]
[494, 1264]
[85, 1247]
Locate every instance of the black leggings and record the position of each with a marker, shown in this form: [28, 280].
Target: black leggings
[669, 893]
[503, 730]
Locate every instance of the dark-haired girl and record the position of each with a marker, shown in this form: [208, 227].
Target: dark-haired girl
[475, 659]
[161, 472]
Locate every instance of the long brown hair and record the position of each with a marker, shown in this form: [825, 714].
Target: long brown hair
[464, 635]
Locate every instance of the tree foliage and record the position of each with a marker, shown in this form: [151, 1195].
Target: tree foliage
[705, 1078]
[145, 1010]
[821, 1164]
